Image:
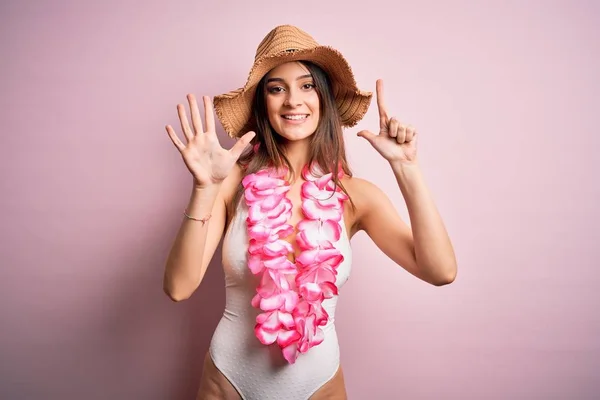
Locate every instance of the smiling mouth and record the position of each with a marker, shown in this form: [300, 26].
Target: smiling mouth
[295, 117]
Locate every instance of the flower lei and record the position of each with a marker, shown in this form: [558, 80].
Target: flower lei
[290, 295]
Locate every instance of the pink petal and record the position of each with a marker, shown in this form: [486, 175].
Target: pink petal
[318, 337]
[329, 201]
[286, 320]
[329, 289]
[290, 301]
[309, 190]
[269, 285]
[270, 202]
[317, 274]
[272, 303]
[255, 246]
[314, 232]
[283, 300]
[283, 231]
[278, 248]
[250, 196]
[309, 174]
[311, 291]
[322, 181]
[281, 264]
[331, 230]
[275, 211]
[255, 213]
[321, 316]
[256, 301]
[266, 182]
[287, 337]
[313, 210]
[301, 310]
[255, 264]
[262, 317]
[259, 232]
[316, 256]
[278, 279]
[271, 322]
[249, 180]
[264, 335]
[304, 242]
[276, 220]
[290, 353]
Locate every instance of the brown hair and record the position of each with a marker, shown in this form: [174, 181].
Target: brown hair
[327, 149]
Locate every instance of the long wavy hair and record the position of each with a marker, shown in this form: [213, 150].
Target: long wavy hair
[327, 148]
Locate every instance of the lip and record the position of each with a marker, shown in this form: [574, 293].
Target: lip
[295, 121]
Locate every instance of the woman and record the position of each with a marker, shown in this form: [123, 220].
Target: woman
[286, 205]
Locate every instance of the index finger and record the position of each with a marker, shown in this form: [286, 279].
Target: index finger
[380, 103]
[209, 114]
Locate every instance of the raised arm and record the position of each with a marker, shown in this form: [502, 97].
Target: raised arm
[424, 249]
[202, 228]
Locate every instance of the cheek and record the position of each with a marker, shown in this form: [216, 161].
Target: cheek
[315, 105]
[272, 109]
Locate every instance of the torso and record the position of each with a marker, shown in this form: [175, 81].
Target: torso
[233, 264]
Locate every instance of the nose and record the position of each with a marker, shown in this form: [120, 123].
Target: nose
[293, 98]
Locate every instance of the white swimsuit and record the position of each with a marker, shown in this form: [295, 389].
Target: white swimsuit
[256, 371]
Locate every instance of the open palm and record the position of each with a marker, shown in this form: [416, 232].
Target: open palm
[202, 153]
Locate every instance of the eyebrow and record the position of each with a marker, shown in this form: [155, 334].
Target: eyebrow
[281, 80]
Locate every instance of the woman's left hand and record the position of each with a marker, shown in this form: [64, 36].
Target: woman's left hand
[396, 142]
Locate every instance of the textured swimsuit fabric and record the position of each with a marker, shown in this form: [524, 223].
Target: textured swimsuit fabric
[260, 372]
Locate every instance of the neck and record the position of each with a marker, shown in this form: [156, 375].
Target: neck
[297, 153]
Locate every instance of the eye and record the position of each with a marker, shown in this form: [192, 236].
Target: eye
[308, 86]
[275, 89]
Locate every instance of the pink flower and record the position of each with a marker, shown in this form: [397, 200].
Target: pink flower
[310, 334]
[275, 326]
[290, 294]
[318, 233]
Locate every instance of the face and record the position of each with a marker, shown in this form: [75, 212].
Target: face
[292, 101]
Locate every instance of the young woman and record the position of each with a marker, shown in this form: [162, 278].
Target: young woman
[286, 205]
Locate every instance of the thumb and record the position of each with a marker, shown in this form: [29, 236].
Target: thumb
[241, 143]
[370, 136]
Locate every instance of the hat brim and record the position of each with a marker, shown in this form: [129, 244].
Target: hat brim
[234, 108]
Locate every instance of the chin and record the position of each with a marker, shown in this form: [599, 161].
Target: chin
[294, 136]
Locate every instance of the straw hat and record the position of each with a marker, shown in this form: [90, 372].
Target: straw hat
[283, 44]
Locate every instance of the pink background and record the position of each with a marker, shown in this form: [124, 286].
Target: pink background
[505, 95]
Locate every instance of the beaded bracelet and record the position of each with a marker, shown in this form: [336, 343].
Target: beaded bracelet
[203, 220]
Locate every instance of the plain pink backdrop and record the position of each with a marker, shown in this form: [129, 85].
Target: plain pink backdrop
[505, 95]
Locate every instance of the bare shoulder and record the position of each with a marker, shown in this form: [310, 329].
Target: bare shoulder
[359, 184]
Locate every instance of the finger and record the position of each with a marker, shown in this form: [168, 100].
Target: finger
[401, 138]
[393, 127]
[370, 136]
[410, 131]
[239, 146]
[383, 114]
[196, 120]
[178, 143]
[185, 126]
[209, 114]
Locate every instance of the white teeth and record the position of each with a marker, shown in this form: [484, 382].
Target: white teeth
[295, 116]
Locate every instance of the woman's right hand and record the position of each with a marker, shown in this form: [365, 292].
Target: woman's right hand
[202, 153]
